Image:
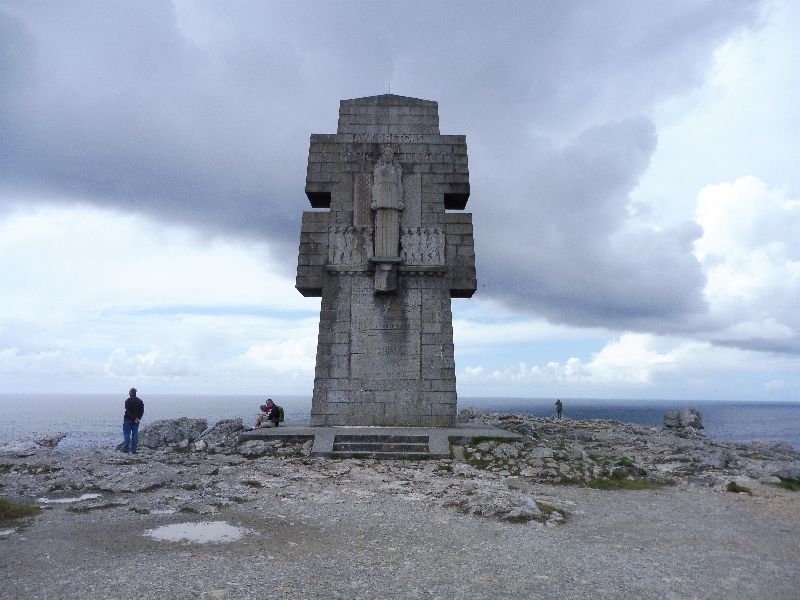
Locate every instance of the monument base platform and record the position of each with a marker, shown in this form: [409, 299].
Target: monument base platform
[380, 442]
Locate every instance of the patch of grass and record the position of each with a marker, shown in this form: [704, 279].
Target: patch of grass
[738, 489]
[140, 511]
[564, 480]
[788, 484]
[605, 483]
[5, 468]
[91, 507]
[598, 458]
[253, 483]
[190, 487]
[188, 509]
[440, 468]
[626, 462]
[11, 510]
[548, 509]
[487, 438]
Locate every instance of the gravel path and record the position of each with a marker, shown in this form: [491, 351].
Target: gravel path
[361, 542]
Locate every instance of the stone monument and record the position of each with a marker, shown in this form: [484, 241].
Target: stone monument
[386, 252]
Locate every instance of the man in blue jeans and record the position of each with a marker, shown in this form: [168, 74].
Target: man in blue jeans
[134, 411]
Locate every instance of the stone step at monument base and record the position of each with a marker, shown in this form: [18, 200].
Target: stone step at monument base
[380, 446]
[410, 443]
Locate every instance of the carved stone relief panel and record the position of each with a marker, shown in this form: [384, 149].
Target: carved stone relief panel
[422, 246]
[350, 247]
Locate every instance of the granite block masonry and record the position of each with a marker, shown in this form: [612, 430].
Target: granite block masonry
[387, 251]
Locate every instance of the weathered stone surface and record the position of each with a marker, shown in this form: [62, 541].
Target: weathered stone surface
[31, 444]
[386, 260]
[221, 434]
[482, 479]
[687, 417]
[360, 517]
[171, 431]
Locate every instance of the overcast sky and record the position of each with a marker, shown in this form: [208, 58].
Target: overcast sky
[634, 170]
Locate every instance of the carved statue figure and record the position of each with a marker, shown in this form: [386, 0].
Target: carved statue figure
[387, 202]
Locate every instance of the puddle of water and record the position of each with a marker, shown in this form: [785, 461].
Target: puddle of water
[199, 533]
[67, 500]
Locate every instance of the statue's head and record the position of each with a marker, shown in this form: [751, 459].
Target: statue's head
[387, 154]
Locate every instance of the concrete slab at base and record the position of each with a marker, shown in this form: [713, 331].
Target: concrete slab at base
[439, 439]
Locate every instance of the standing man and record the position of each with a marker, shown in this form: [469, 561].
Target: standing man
[559, 407]
[134, 411]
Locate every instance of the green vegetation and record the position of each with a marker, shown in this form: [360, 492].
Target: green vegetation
[626, 462]
[480, 439]
[253, 483]
[620, 483]
[548, 509]
[10, 510]
[140, 511]
[738, 489]
[190, 487]
[89, 508]
[793, 485]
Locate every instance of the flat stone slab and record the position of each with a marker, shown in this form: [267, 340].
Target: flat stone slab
[439, 439]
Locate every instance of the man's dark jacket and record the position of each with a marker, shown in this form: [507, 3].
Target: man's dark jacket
[134, 409]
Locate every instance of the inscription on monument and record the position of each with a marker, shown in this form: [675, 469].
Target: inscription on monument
[388, 138]
[403, 157]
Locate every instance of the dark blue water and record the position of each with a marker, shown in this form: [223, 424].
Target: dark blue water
[92, 420]
[725, 421]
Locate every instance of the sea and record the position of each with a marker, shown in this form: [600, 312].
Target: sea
[95, 420]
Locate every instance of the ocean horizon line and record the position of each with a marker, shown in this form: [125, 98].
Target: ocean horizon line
[478, 398]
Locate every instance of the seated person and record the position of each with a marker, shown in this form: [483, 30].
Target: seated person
[268, 416]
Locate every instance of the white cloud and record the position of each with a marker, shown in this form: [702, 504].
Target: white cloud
[639, 365]
[114, 297]
[750, 251]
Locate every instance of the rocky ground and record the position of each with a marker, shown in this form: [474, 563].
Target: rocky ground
[575, 509]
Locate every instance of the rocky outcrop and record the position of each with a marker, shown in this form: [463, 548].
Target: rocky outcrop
[31, 444]
[221, 436]
[196, 470]
[172, 431]
[681, 419]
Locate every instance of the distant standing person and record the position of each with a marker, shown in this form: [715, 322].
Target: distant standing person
[134, 411]
[559, 408]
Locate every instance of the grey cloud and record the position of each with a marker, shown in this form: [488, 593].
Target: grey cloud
[200, 114]
[565, 247]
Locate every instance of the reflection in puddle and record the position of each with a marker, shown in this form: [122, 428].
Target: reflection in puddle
[200, 533]
[67, 500]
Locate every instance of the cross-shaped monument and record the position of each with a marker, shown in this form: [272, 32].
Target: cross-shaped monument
[386, 255]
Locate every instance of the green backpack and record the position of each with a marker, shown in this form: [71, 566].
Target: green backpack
[280, 413]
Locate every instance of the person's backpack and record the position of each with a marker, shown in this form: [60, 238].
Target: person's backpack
[280, 413]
